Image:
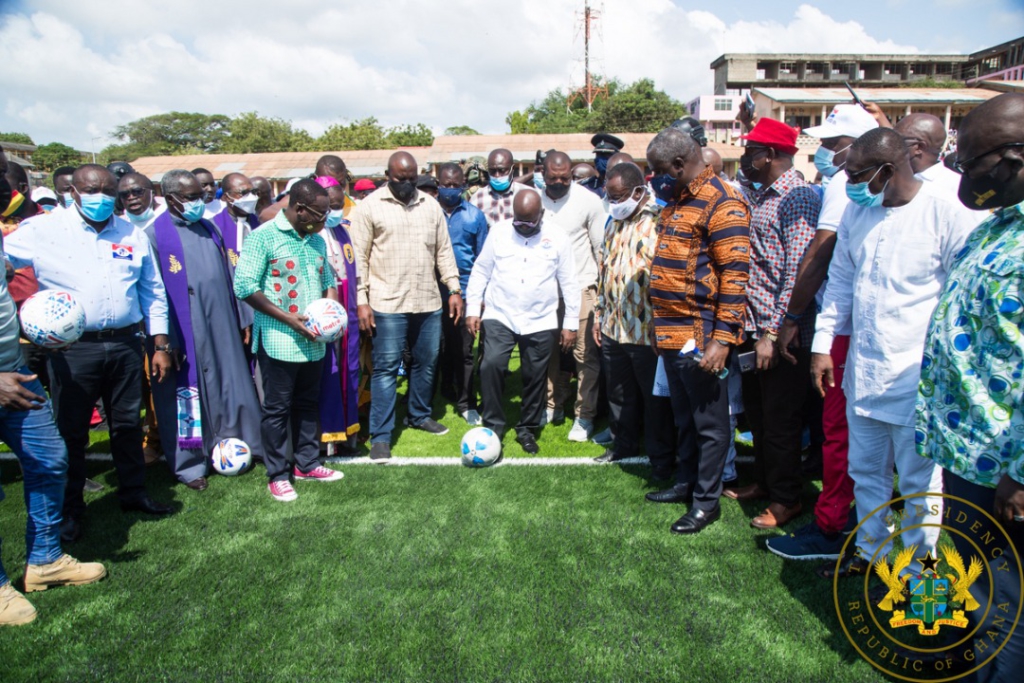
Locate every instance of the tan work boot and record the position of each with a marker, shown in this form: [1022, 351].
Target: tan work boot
[66, 571]
[15, 610]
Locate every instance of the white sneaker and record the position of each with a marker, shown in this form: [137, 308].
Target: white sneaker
[580, 431]
[471, 417]
[553, 416]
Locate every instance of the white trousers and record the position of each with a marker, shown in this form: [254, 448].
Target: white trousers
[875, 447]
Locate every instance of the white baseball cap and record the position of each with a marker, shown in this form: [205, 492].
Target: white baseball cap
[845, 120]
[43, 193]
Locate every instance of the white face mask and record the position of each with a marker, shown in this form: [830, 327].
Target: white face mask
[246, 203]
[626, 207]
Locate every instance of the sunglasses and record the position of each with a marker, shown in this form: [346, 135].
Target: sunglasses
[967, 164]
[317, 216]
[132, 192]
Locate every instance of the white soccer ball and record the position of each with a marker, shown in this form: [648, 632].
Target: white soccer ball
[481, 447]
[52, 319]
[327, 320]
[231, 457]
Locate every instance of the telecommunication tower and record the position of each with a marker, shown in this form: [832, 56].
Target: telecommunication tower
[587, 25]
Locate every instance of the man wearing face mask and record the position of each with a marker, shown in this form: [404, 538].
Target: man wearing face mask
[516, 281]
[783, 219]
[586, 175]
[605, 146]
[135, 191]
[209, 185]
[495, 199]
[467, 228]
[238, 218]
[283, 269]
[971, 429]
[926, 138]
[108, 266]
[62, 186]
[698, 299]
[622, 325]
[401, 239]
[21, 208]
[212, 396]
[895, 246]
[581, 214]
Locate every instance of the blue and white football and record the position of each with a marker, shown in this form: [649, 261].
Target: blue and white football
[52, 319]
[231, 457]
[480, 447]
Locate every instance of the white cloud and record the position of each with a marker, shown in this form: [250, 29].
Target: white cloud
[77, 70]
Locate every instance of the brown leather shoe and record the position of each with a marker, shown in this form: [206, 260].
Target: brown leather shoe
[198, 484]
[151, 455]
[750, 492]
[776, 515]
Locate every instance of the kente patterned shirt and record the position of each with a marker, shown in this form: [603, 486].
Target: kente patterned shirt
[971, 395]
[700, 269]
[782, 225]
[624, 275]
[291, 270]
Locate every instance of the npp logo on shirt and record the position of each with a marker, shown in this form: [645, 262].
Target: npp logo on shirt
[121, 251]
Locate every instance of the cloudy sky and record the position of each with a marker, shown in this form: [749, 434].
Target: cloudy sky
[74, 70]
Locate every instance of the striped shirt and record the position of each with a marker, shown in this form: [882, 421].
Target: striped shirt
[699, 274]
[398, 248]
[291, 270]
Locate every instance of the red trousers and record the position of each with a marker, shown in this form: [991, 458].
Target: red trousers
[833, 507]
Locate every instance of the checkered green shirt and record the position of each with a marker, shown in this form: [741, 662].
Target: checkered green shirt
[291, 271]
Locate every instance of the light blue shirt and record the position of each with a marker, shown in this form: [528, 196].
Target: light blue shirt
[112, 273]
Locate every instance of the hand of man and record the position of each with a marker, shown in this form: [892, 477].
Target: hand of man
[568, 339]
[596, 330]
[821, 372]
[13, 396]
[767, 356]
[878, 114]
[161, 365]
[455, 308]
[247, 336]
[473, 325]
[297, 322]
[1009, 503]
[366, 322]
[789, 337]
[714, 358]
[746, 118]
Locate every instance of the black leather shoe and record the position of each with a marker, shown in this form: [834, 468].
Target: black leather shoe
[528, 443]
[147, 505]
[695, 520]
[609, 456]
[680, 493]
[70, 530]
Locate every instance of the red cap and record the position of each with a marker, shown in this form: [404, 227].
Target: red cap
[774, 134]
[364, 184]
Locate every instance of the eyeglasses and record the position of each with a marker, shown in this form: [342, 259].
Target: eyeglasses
[967, 164]
[240, 192]
[317, 216]
[132, 192]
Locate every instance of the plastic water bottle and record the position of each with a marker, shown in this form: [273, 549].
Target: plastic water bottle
[690, 349]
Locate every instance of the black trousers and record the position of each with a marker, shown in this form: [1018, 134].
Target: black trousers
[110, 371]
[291, 397]
[774, 403]
[629, 371]
[457, 363]
[700, 402]
[534, 353]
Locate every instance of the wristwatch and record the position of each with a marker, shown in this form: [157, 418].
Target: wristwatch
[771, 336]
[454, 292]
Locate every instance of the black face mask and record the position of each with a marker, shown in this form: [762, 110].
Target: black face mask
[403, 190]
[986, 192]
[526, 229]
[556, 191]
[5, 193]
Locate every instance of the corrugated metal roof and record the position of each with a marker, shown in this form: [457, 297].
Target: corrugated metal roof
[880, 95]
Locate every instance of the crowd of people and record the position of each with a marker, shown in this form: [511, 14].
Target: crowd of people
[855, 309]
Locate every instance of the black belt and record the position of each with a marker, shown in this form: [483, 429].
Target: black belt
[100, 335]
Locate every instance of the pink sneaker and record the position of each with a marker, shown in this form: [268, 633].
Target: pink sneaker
[282, 491]
[321, 473]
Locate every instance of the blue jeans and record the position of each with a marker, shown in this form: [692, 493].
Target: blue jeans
[423, 332]
[33, 436]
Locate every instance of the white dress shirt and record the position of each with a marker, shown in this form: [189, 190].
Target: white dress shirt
[112, 274]
[948, 181]
[887, 272]
[518, 279]
[582, 216]
[213, 208]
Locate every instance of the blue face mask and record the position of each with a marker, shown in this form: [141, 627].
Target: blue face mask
[664, 187]
[501, 183]
[861, 194]
[823, 159]
[193, 211]
[96, 207]
[142, 217]
[538, 180]
[601, 163]
[334, 218]
[449, 197]
[756, 185]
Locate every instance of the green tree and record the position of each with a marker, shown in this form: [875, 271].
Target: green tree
[415, 135]
[519, 123]
[460, 130]
[250, 133]
[20, 138]
[638, 108]
[170, 133]
[362, 134]
[53, 155]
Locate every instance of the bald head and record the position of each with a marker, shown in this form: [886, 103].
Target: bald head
[582, 172]
[714, 160]
[993, 164]
[527, 206]
[402, 166]
[999, 121]
[557, 160]
[499, 162]
[619, 158]
[925, 136]
[671, 144]
[236, 184]
[331, 165]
